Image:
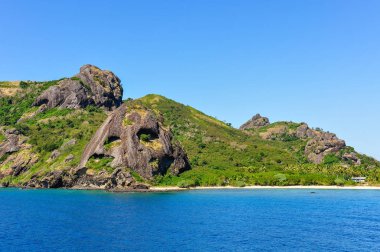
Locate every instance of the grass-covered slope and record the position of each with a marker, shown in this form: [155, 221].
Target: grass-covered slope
[222, 155]
[219, 154]
[64, 132]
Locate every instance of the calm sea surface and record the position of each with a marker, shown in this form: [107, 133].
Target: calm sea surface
[212, 220]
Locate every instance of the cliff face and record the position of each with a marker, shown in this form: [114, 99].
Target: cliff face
[134, 137]
[91, 86]
[319, 144]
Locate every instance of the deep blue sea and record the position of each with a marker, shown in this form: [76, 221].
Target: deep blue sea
[209, 220]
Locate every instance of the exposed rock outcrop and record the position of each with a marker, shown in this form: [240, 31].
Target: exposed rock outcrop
[303, 131]
[318, 143]
[321, 145]
[135, 138]
[255, 122]
[120, 179]
[15, 153]
[353, 157]
[92, 86]
[12, 142]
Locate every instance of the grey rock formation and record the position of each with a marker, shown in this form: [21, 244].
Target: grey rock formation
[136, 138]
[319, 144]
[55, 154]
[120, 179]
[92, 86]
[303, 131]
[255, 122]
[352, 156]
[12, 142]
[69, 158]
[104, 85]
[15, 153]
[69, 143]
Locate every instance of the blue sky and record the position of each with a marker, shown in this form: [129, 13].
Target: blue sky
[316, 61]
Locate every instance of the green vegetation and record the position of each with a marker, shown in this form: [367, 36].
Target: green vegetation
[100, 163]
[2, 137]
[221, 155]
[6, 84]
[331, 159]
[49, 130]
[23, 84]
[12, 108]
[145, 137]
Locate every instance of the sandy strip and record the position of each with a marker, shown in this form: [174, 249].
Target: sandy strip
[174, 188]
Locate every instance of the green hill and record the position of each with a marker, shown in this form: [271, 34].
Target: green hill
[222, 155]
[46, 128]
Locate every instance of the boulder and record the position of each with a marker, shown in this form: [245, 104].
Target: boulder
[54, 154]
[91, 86]
[352, 157]
[69, 143]
[104, 85]
[69, 158]
[303, 131]
[255, 122]
[12, 142]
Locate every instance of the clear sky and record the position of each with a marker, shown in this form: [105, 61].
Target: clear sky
[316, 61]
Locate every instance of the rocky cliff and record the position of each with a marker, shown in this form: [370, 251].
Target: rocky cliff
[318, 144]
[257, 121]
[91, 86]
[135, 137]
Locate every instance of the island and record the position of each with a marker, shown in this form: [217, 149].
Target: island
[79, 133]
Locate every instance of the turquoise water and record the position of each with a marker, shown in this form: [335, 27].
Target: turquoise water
[211, 220]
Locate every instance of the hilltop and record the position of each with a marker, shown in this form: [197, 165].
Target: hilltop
[78, 133]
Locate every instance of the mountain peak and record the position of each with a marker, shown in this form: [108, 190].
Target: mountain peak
[257, 121]
[91, 86]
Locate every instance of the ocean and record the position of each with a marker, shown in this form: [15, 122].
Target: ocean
[195, 220]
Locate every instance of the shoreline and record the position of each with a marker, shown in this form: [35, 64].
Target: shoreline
[258, 187]
[200, 188]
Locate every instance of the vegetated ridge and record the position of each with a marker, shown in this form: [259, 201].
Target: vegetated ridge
[78, 133]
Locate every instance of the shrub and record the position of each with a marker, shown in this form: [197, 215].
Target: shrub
[145, 137]
[186, 183]
[280, 177]
[23, 84]
[2, 137]
[22, 128]
[238, 183]
[288, 138]
[331, 159]
[339, 181]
